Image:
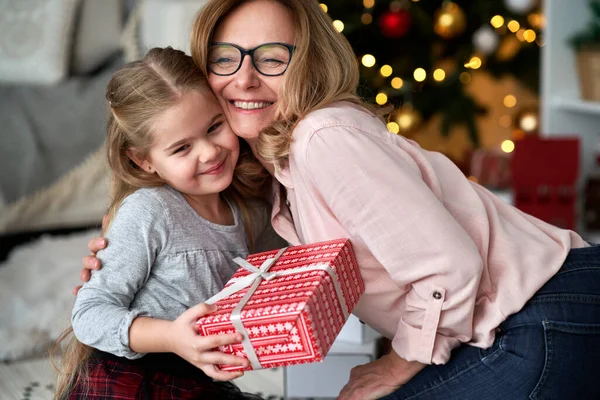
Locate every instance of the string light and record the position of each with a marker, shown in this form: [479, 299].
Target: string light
[529, 35]
[474, 63]
[507, 146]
[397, 83]
[528, 122]
[405, 121]
[521, 35]
[366, 18]
[537, 20]
[324, 7]
[368, 3]
[381, 98]
[420, 74]
[368, 60]
[439, 74]
[513, 26]
[465, 77]
[510, 101]
[393, 127]
[386, 70]
[338, 25]
[497, 21]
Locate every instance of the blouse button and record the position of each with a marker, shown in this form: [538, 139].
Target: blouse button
[287, 203]
[437, 295]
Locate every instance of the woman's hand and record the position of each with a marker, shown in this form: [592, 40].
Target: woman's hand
[379, 378]
[91, 262]
[201, 351]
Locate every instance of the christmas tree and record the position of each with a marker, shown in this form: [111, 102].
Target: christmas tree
[418, 55]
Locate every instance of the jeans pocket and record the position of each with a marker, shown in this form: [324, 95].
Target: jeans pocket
[570, 370]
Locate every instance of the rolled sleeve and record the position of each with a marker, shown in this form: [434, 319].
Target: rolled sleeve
[385, 197]
[104, 327]
[425, 345]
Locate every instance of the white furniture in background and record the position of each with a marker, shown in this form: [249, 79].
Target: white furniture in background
[563, 112]
[326, 379]
[354, 331]
[355, 345]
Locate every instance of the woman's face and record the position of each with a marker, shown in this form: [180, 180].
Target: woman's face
[249, 99]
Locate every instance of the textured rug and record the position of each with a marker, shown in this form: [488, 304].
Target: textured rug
[36, 281]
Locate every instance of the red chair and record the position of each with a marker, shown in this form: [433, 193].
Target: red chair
[544, 178]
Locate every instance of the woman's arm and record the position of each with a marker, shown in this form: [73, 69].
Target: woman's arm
[379, 378]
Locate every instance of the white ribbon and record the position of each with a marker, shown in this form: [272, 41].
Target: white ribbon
[253, 280]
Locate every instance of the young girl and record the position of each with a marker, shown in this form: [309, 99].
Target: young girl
[177, 220]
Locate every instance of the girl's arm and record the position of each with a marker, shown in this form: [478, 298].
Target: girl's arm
[102, 312]
[103, 317]
[151, 335]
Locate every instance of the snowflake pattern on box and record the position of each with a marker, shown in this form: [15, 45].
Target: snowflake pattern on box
[291, 319]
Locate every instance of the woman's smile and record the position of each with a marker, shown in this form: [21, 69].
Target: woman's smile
[251, 105]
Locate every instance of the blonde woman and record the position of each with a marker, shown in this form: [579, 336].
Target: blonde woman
[479, 299]
[182, 209]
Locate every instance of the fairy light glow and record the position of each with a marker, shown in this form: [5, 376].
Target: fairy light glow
[381, 98]
[420, 74]
[338, 25]
[368, 60]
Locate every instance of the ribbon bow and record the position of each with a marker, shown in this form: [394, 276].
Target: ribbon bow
[256, 276]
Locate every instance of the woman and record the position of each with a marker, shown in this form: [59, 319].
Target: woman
[477, 297]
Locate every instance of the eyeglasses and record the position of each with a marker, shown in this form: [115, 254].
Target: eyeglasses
[270, 59]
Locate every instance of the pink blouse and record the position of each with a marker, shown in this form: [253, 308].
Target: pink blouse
[444, 261]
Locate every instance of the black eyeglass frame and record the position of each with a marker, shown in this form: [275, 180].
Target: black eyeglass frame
[250, 52]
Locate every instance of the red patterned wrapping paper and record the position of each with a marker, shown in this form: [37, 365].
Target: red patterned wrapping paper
[291, 319]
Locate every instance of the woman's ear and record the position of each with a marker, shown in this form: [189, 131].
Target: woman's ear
[141, 162]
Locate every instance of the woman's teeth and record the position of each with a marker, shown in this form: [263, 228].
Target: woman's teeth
[250, 105]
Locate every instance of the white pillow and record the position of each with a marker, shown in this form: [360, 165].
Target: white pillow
[35, 40]
[167, 23]
[97, 35]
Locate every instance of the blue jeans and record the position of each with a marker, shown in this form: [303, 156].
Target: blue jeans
[548, 350]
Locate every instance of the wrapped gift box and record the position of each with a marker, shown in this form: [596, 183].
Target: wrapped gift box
[492, 168]
[290, 312]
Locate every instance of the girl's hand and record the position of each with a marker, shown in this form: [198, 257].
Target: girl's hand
[91, 262]
[379, 378]
[202, 351]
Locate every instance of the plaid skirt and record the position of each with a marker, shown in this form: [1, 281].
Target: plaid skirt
[154, 376]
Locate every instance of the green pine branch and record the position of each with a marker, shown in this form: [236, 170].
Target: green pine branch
[421, 47]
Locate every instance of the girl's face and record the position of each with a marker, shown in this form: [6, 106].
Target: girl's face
[248, 98]
[194, 149]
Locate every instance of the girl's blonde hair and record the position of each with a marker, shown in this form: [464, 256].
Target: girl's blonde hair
[136, 94]
[323, 68]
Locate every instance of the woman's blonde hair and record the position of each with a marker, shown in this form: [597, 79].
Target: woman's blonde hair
[323, 68]
[136, 94]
